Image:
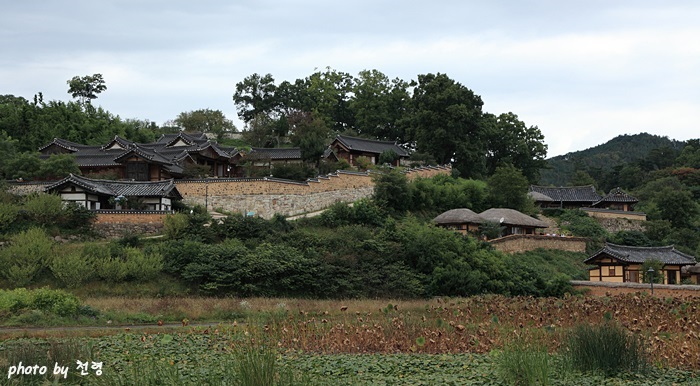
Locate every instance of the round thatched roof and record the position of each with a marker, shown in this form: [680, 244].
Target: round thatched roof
[458, 216]
[511, 217]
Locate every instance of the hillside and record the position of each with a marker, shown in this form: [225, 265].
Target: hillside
[620, 150]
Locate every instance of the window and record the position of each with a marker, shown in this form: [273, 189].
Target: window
[611, 271]
[137, 171]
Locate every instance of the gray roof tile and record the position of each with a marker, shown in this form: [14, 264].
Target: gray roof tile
[667, 254]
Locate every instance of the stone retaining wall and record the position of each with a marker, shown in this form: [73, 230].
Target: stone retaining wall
[115, 224]
[265, 197]
[524, 243]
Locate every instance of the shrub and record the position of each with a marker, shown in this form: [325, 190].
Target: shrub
[72, 269]
[29, 253]
[8, 214]
[175, 225]
[524, 363]
[55, 301]
[45, 209]
[606, 348]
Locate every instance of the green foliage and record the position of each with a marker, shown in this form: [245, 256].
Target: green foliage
[295, 172]
[391, 192]
[125, 264]
[28, 254]
[631, 238]
[524, 363]
[508, 189]
[578, 223]
[8, 215]
[657, 266]
[192, 170]
[86, 87]
[44, 209]
[72, 269]
[606, 348]
[388, 157]
[24, 166]
[56, 302]
[441, 193]
[58, 166]
[175, 225]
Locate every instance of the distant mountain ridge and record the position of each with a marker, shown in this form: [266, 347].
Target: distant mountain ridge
[620, 150]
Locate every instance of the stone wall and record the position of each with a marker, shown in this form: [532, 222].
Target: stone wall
[114, 224]
[615, 214]
[265, 197]
[524, 243]
[597, 288]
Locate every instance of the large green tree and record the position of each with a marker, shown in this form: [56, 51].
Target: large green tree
[310, 134]
[255, 95]
[380, 106]
[446, 123]
[205, 121]
[510, 141]
[508, 189]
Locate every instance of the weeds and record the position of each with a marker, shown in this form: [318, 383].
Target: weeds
[524, 363]
[607, 348]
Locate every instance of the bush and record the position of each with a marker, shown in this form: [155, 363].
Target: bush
[44, 209]
[175, 225]
[72, 269]
[57, 302]
[606, 348]
[8, 215]
[29, 253]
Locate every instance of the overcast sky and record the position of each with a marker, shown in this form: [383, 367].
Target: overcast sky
[582, 71]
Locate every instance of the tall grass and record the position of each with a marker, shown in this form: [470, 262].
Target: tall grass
[524, 363]
[606, 348]
[45, 353]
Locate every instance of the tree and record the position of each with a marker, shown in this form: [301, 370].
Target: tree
[508, 188]
[58, 166]
[380, 106]
[310, 134]
[86, 88]
[509, 140]
[391, 192]
[205, 121]
[446, 123]
[255, 95]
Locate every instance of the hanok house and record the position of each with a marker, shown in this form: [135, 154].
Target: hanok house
[570, 197]
[352, 148]
[261, 158]
[619, 264]
[616, 200]
[108, 194]
[164, 159]
[462, 220]
[512, 221]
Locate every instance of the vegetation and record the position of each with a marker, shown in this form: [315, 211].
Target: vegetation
[607, 348]
[489, 340]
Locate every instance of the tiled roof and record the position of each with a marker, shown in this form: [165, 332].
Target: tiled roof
[459, 216]
[156, 152]
[617, 195]
[511, 217]
[370, 146]
[627, 254]
[568, 193]
[275, 153]
[165, 188]
[68, 145]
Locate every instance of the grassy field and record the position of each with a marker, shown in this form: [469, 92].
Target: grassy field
[355, 342]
